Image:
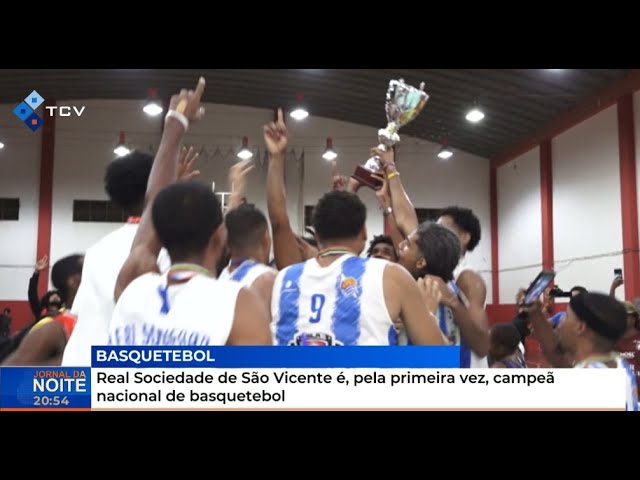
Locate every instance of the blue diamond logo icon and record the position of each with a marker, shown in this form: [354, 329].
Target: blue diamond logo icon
[34, 100]
[22, 111]
[34, 122]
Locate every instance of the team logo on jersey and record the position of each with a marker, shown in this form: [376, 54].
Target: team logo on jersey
[289, 286]
[314, 340]
[349, 285]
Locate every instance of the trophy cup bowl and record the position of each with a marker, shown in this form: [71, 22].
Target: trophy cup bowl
[403, 104]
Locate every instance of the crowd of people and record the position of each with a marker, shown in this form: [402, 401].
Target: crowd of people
[184, 271]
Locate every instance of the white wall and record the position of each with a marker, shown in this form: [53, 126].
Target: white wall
[19, 178]
[519, 223]
[84, 147]
[587, 218]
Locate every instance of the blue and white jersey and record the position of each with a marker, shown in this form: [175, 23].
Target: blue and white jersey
[246, 273]
[632, 381]
[451, 332]
[340, 304]
[200, 311]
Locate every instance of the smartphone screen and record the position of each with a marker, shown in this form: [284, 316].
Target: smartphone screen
[617, 272]
[538, 286]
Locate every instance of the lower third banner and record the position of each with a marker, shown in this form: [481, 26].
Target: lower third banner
[45, 388]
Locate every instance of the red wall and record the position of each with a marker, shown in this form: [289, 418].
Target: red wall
[20, 313]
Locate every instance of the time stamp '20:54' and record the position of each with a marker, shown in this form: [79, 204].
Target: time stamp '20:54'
[47, 400]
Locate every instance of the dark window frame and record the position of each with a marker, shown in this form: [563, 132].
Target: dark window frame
[9, 209]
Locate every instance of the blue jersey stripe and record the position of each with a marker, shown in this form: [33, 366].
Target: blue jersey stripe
[242, 271]
[289, 304]
[634, 407]
[465, 355]
[442, 320]
[347, 311]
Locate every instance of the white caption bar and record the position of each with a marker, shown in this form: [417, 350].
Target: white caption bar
[326, 389]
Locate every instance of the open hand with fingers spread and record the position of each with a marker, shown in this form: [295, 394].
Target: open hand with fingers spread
[276, 136]
[186, 165]
[42, 263]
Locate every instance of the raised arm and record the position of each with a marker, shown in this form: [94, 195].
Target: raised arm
[184, 108]
[404, 212]
[34, 298]
[384, 199]
[285, 248]
[238, 174]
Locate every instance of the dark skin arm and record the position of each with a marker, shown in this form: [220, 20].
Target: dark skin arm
[545, 334]
[42, 347]
[405, 300]
[471, 318]
[384, 197]
[146, 245]
[403, 210]
[263, 287]
[285, 248]
[251, 321]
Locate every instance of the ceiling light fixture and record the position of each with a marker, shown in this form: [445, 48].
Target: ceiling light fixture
[300, 113]
[121, 150]
[475, 115]
[153, 108]
[445, 153]
[329, 154]
[245, 153]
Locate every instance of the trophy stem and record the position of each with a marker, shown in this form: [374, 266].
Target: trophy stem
[393, 128]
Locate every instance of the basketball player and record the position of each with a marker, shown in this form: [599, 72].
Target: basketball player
[125, 183]
[339, 298]
[188, 305]
[431, 253]
[587, 336]
[470, 316]
[175, 308]
[249, 244]
[45, 342]
[286, 247]
[382, 247]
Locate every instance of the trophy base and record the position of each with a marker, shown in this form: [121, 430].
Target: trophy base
[365, 177]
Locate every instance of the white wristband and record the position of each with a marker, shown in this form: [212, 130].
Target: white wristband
[180, 117]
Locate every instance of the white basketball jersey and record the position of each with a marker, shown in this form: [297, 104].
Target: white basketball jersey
[198, 312]
[341, 304]
[246, 273]
[631, 383]
[94, 303]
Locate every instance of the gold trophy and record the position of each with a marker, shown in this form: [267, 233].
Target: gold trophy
[403, 104]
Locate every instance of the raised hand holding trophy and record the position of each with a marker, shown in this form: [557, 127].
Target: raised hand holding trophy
[403, 104]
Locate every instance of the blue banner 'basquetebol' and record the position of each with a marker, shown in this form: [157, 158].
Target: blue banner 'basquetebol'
[45, 388]
[275, 357]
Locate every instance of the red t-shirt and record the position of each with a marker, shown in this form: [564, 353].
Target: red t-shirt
[629, 349]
